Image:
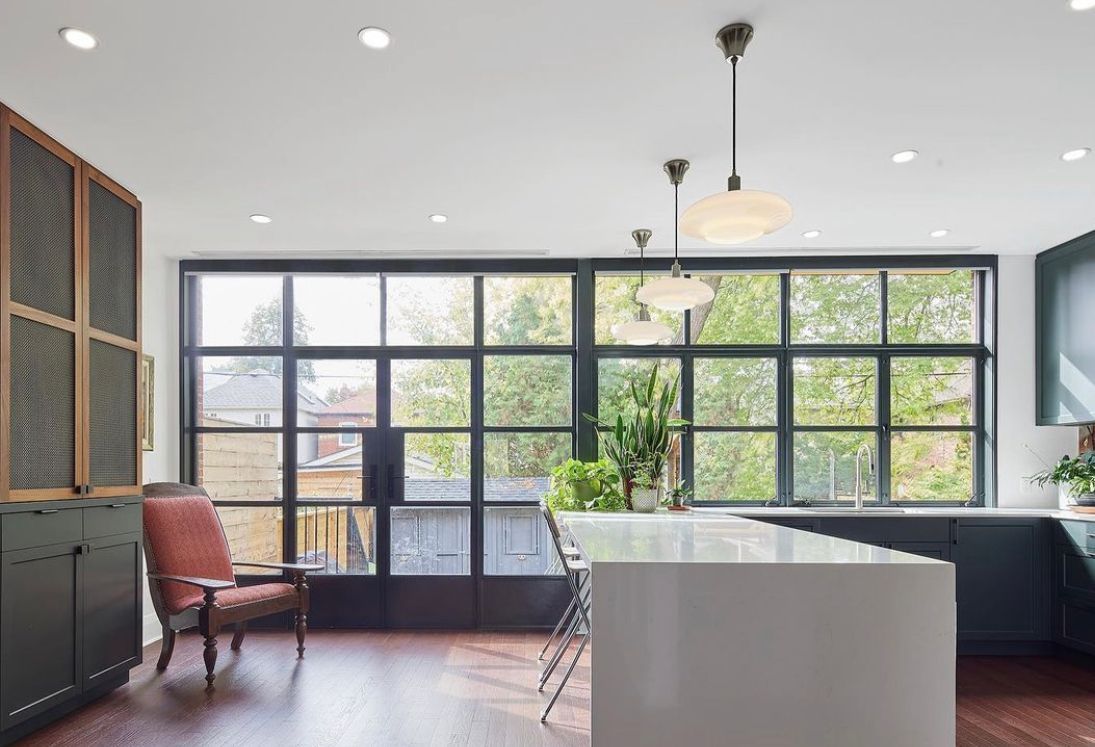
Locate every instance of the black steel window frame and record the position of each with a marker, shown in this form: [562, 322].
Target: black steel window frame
[585, 355]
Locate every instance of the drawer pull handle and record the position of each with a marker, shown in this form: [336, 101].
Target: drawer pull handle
[46, 511]
[118, 505]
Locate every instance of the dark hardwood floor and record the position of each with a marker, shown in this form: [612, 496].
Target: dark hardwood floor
[467, 688]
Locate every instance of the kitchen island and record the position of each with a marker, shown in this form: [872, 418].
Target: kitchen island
[720, 630]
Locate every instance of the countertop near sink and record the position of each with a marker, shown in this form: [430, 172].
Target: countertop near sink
[957, 512]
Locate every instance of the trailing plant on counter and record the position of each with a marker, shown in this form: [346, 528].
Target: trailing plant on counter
[1076, 472]
[585, 486]
[639, 445]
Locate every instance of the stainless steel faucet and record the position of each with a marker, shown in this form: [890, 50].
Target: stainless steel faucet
[859, 472]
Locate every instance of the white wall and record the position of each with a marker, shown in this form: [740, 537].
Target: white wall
[160, 313]
[1015, 404]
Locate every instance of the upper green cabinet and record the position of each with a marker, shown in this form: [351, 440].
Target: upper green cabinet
[1065, 346]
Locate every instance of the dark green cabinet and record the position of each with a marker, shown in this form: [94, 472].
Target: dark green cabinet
[40, 599]
[112, 608]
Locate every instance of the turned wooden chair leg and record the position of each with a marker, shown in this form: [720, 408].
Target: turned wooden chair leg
[167, 647]
[237, 638]
[302, 630]
[210, 656]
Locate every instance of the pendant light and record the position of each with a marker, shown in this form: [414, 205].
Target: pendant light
[675, 293]
[643, 330]
[737, 215]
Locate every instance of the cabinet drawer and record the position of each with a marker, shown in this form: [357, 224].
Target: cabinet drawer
[1077, 626]
[44, 526]
[1076, 574]
[118, 518]
[1080, 534]
[873, 529]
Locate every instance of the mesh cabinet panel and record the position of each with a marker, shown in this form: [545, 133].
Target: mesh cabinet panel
[43, 253]
[43, 406]
[112, 400]
[112, 281]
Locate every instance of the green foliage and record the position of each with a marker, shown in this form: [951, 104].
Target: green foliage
[639, 445]
[264, 329]
[585, 486]
[1078, 473]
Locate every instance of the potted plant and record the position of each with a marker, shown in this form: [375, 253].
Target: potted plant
[646, 485]
[639, 445]
[585, 486]
[1074, 477]
[677, 496]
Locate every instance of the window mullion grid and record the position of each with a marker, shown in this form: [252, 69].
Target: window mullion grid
[686, 474]
[784, 397]
[477, 418]
[884, 430]
[289, 421]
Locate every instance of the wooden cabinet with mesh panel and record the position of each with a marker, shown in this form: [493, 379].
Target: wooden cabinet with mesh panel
[70, 332]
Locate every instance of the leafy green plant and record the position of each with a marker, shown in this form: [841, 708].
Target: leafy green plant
[678, 493]
[585, 486]
[1078, 473]
[639, 445]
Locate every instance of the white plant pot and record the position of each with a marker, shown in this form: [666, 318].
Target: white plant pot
[1064, 497]
[644, 500]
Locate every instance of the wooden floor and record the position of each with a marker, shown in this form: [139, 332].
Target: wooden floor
[467, 688]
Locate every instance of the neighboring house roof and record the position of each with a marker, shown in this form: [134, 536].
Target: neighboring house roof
[362, 403]
[256, 390]
[335, 460]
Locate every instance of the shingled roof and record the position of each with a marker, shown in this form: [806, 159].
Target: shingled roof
[256, 390]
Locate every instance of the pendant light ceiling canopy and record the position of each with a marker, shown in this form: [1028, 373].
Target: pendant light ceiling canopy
[643, 330]
[736, 215]
[675, 293]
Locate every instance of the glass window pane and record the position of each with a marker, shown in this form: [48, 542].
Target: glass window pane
[331, 467]
[239, 310]
[931, 391]
[340, 538]
[734, 391]
[735, 466]
[526, 390]
[835, 307]
[745, 311]
[254, 535]
[431, 393]
[932, 306]
[516, 542]
[430, 541]
[834, 391]
[336, 310]
[425, 310]
[239, 466]
[615, 376]
[931, 466]
[516, 466]
[527, 310]
[239, 391]
[437, 467]
[824, 465]
[616, 305]
[336, 393]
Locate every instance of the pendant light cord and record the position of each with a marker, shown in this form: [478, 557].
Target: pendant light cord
[734, 116]
[676, 218]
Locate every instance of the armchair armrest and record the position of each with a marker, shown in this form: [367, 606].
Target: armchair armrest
[295, 567]
[208, 584]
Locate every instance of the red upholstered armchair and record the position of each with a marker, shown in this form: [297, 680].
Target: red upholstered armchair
[191, 577]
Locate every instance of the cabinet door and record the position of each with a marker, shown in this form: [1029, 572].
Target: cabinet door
[40, 606]
[935, 550]
[112, 607]
[39, 314]
[112, 354]
[1002, 578]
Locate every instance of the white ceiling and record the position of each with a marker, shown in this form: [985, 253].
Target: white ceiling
[542, 124]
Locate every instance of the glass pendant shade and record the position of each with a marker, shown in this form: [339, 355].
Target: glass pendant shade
[642, 331]
[675, 293]
[736, 216]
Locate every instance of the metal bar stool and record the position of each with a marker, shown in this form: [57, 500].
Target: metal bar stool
[579, 623]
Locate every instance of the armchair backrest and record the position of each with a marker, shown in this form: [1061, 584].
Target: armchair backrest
[183, 536]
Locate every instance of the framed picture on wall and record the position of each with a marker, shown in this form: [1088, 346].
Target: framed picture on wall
[148, 402]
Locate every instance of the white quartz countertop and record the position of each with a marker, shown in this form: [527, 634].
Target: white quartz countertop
[956, 512]
[702, 537]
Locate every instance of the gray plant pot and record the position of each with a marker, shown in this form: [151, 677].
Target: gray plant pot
[644, 500]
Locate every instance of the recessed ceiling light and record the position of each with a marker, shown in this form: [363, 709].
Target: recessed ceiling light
[939, 233]
[811, 234]
[904, 156]
[439, 218]
[260, 218]
[1082, 4]
[1077, 153]
[374, 38]
[79, 39]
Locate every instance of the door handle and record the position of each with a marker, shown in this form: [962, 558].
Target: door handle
[84, 549]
